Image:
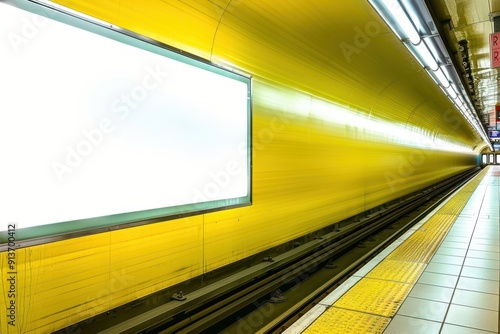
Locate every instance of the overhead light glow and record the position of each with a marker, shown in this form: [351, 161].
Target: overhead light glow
[451, 92]
[426, 56]
[443, 80]
[392, 132]
[404, 22]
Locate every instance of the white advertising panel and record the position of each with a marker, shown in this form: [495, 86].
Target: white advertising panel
[100, 128]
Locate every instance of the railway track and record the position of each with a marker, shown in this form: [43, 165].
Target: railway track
[255, 299]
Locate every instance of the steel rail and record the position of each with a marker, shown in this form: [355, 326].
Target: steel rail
[279, 323]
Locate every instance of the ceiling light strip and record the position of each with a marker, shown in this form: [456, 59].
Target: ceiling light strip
[423, 49]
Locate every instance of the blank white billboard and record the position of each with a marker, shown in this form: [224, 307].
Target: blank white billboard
[99, 128]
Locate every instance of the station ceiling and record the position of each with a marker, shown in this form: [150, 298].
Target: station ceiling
[472, 21]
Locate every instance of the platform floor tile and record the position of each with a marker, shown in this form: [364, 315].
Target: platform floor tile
[409, 325]
[473, 317]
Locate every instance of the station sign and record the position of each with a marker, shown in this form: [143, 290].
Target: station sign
[497, 116]
[495, 49]
[495, 134]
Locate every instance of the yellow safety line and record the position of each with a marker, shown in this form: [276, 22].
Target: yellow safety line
[371, 303]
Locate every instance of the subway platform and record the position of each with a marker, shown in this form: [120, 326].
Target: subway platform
[442, 276]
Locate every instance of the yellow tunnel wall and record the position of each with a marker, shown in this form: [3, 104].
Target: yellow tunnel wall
[310, 169]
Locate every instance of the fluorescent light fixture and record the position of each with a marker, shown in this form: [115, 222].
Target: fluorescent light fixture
[408, 23]
[442, 79]
[463, 109]
[415, 16]
[402, 19]
[426, 57]
[451, 92]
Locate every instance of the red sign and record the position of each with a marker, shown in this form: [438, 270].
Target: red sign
[495, 49]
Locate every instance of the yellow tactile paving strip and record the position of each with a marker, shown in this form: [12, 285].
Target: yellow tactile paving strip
[348, 322]
[371, 303]
[375, 296]
[399, 271]
[422, 245]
